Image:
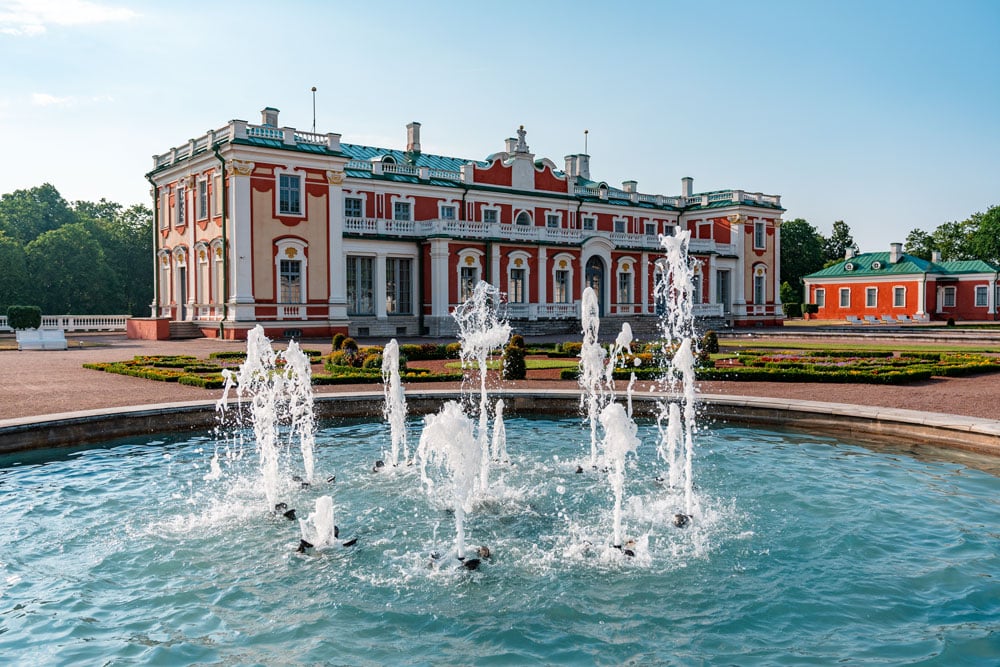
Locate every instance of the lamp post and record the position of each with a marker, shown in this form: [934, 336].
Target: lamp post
[314, 109]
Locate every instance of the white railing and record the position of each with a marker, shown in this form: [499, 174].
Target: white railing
[262, 132]
[404, 169]
[706, 309]
[558, 311]
[310, 137]
[291, 311]
[77, 322]
[209, 312]
[445, 174]
[359, 165]
[627, 308]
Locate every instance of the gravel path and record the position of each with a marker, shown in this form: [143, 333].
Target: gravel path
[39, 383]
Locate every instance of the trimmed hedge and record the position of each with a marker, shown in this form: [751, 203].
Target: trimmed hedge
[24, 317]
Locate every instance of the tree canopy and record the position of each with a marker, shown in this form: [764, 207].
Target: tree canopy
[976, 237]
[84, 258]
[801, 253]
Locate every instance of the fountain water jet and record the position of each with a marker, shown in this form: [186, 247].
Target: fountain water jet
[394, 409]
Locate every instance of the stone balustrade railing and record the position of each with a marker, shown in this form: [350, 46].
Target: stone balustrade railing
[77, 322]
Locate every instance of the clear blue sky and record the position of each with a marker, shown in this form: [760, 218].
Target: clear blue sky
[883, 114]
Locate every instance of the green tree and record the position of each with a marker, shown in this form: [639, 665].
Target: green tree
[919, 244]
[801, 254]
[13, 274]
[953, 239]
[125, 234]
[985, 237]
[27, 214]
[836, 245]
[69, 273]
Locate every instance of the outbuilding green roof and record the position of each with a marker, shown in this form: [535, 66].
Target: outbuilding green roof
[879, 264]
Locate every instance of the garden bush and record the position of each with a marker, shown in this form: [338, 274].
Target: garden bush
[710, 342]
[24, 317]
[793, 310]
[338, 339]
[514, 365]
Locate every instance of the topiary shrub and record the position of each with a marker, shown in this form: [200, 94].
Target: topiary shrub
[571, 349]
[349, 345]
[24, 317]
[793, 310]
[338, 340]
[514, 365]
[372, 360]
[710, 342]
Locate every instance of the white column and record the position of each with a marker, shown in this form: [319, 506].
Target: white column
[241, 278]
[543, 274]
[336, 261]
[777, 267]
[643, 274]
[495, 267]
[741, 269]
[193, 267]
[439, 277]
[380, 312]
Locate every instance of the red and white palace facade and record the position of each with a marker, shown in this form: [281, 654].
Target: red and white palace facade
[306, 235]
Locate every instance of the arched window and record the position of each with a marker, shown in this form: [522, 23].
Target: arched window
[523, 218]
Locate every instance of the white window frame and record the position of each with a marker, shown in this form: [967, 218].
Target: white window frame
[819, 296]
[288, 172]
[949, 297]
[216, 195]
[759, 235]
[650, 227]
[625, 277]
[983, 291]
[358, 198]
[218, 266]
[201, 199]
[620, 226]
[589, 223]
[899, 296]
[553, 219]
[759, 284]
[291, 249]
[393, 298]
[528, 216]
[468, 258]
[351, 303]
[181, 206]
[495, 210]
[397, 204]
[563, 262]
[447, 206]
[524, 258]
[844, 297]
[871, 297]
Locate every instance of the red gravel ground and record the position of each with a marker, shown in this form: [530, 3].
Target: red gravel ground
[38, 383]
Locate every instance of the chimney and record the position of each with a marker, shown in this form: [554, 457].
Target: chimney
[687, 186]
[572, 166]
[510, 145]
[413, 137]
[630, 186]
[935, 256]
[849, 253]
[584, 164]
[269, 117]
[895, 252]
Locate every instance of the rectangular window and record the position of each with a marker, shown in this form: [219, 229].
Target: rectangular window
[759, 290]
[551, 220]
[898, 297]
[290, 281]
[670, 230]
[398, 272]
[589, 224]
[981, 296]
[871, 297]
[401, 210]
[181, 207]
[469, 279]
[820, 298]
[353, 207]
[845, 297]
[696, 289]
[624, 288]
[619, 226]
[515, 290]
[289, 195]
[650, 229]
[562, 290]
[759, 237]
[447, 212]
[489, 215]
[360, 285]
[202, 199]
[949, 297]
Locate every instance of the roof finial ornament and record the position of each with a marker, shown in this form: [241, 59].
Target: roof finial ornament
[522, 146]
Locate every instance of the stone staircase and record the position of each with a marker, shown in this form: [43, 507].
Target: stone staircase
[184, 330]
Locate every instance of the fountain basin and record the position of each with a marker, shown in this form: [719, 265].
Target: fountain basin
[810, 549]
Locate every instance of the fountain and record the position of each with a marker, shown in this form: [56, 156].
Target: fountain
[157, 549]
[394, 409]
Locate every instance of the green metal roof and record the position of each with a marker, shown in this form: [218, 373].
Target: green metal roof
[878, 264]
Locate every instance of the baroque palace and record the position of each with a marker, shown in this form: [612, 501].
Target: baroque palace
[308, 236]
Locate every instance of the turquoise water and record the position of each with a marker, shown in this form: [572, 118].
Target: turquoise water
[806, 551]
